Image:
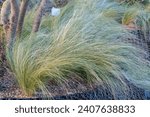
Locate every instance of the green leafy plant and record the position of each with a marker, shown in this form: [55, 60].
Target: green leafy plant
[83, 39]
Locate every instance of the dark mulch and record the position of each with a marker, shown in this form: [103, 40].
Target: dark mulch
[96, 94]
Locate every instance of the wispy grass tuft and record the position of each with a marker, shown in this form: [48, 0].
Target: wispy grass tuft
[82, 40]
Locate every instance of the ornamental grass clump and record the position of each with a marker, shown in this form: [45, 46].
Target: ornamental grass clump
[81, 41]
